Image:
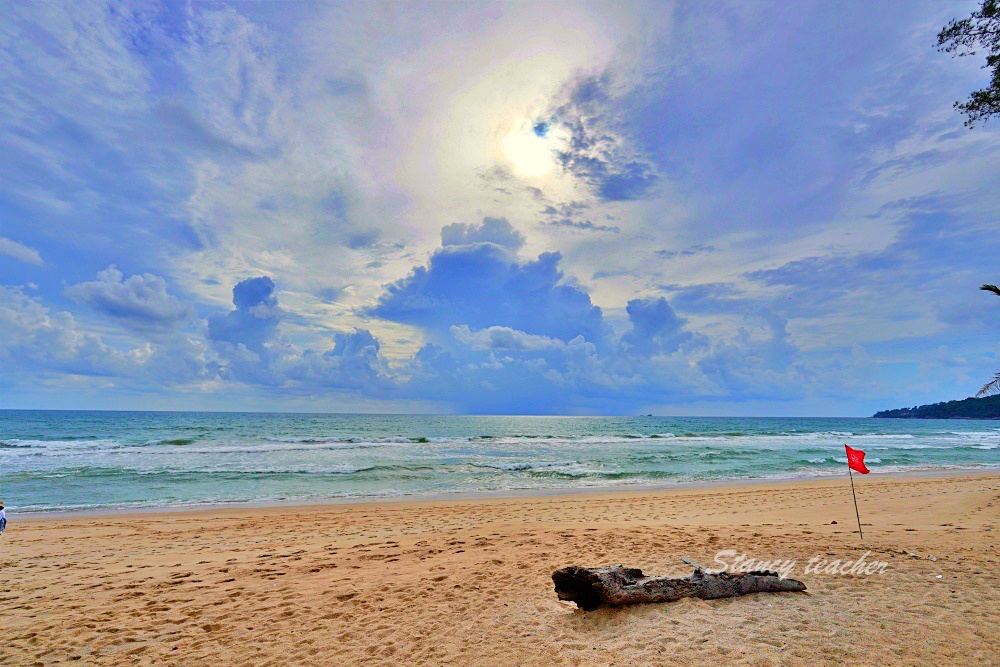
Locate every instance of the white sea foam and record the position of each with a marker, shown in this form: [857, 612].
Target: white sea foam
[235, 457]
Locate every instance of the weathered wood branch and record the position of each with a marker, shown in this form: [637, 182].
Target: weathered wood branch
[617, 586]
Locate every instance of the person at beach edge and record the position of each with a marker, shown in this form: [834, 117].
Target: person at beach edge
[3, 518]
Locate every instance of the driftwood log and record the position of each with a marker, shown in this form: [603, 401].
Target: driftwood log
[617, 586]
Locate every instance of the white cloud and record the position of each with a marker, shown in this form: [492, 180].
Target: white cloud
[353, 136]
[141, 301]
[327, 146]
[53, 340]
[20, 252]
[504, 339]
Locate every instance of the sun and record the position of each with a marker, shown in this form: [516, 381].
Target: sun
[531, 149]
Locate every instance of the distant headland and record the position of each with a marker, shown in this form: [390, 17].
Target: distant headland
[987, 407]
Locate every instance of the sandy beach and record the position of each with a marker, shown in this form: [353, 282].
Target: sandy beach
[467, 582]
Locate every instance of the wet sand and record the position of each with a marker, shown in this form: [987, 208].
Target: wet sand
[467, 582]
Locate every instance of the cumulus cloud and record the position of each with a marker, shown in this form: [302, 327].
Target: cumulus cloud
[483, 285]
[139, 301]
[56, 342]
[246, 338]
[20, 252]
[252, 350]
[208, 146]
[504, 338]
[656, 328]
[507, 335]
[760, 362]
[352, 363]
[53, 340]
[522, 340]
[492, 230]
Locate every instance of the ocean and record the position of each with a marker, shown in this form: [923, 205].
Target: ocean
[84, 460]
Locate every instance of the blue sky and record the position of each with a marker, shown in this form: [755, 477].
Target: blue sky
[679, 208]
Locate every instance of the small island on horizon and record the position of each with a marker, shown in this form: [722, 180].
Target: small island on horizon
[987, 407]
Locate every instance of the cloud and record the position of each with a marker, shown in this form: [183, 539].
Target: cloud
[656, 328]
[760, 362]
[252, 350]
[255, 319]
[483, 285]
[709, 298]
[585, 225]
[139, 301]
[503, 338]
[363, 239]
[352, 363]
[330, 294]
[599, 152]
[53, 340]
[526, 342]
[34, 336]
[20, 252]
[929, 271]
[208, 143]
[569, 215]
[520, 339]
[230, 66]
[691, 251]
[492, 230]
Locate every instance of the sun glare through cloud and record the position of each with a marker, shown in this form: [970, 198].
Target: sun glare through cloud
[532, 148]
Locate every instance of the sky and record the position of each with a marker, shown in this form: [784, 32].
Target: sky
[691, 208]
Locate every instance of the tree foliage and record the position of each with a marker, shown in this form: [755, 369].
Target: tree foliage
[966, 37]
[969, 408]
[993, 386]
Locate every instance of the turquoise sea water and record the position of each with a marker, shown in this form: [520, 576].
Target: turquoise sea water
[58, 460]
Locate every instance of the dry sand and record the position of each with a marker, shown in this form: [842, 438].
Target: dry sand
[466, 582]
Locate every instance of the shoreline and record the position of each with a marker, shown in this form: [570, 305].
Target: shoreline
[466, 496]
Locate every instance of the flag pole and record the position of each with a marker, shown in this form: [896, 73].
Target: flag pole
[855, 502]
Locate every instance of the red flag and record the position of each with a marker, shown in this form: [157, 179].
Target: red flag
[856, 460]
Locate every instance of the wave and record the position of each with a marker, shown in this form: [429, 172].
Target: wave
[521, 465]
[758, 440]
[589, 446]
[393, 481]
[11, 445]
[95, 472]
[870, 459]
[993, 432]
[62, 443]
[730, 454]
[313, 440]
